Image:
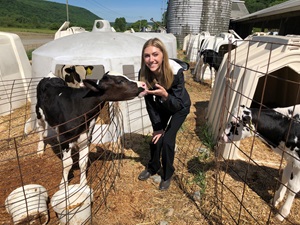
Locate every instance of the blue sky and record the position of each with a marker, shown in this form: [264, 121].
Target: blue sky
[131, 10]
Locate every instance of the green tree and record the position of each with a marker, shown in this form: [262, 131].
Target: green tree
[120, 24]
[277, 2]
[138, 25]
[254, 6]
[164, 19]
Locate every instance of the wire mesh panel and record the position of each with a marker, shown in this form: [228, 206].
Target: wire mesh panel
[20, 165]
[262, 74]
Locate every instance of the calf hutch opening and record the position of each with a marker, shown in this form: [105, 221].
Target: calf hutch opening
[263, 72]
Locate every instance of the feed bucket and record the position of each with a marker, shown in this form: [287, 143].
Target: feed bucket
[28, 205]
[73, 204]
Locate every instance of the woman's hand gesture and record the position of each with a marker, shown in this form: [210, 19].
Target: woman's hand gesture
[159, 91]
[156, 135]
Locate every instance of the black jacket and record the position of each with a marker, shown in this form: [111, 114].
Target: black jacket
[178, 99]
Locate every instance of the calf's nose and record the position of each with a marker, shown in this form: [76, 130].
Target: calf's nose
[142, 85]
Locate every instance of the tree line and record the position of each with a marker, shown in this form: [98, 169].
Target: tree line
[120, 25]
[256, 5]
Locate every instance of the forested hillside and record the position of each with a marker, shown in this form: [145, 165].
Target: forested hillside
[42, 14]
[256, 5]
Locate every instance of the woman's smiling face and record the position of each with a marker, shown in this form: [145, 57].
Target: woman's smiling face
[153, 58]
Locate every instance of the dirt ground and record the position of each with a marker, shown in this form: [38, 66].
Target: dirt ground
[34, 40]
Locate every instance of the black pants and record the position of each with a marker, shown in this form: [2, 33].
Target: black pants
[165, 147]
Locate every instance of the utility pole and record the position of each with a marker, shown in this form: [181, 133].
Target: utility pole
[163, 9]
[140, 22]
[67, 8]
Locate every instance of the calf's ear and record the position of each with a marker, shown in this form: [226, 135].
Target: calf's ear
[91, 85]
[69, 69]
[89, 70]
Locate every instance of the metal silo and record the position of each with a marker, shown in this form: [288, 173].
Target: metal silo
[215, 16]
[183, 18]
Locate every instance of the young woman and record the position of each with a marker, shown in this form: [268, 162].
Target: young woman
[168, 103]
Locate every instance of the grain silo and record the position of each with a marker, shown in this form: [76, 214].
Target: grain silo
[194, 16]
[183, 18]
[215, 16]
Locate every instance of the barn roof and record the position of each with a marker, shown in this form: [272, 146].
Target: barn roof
[238, 9]
[285, 7]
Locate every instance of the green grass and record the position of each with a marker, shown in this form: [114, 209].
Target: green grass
[206, 136]
[204, 159]
[200, 180]
[29, 53]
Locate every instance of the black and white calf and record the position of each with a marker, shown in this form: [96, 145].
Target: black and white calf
[74, 74]
[71, 113]
[282, 133]
[209, 58]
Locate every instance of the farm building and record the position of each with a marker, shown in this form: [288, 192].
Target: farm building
[196, 16]
[280, 18]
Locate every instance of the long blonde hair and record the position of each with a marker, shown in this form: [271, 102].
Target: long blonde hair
[167, 77]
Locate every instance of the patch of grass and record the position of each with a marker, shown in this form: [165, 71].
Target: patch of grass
[29, 53]
[206, 136]
[200, 180]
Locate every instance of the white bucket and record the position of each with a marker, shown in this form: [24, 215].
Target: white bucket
[28, 204]
[73, 204]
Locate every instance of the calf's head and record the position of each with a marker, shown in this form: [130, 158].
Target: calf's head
[240, 126]
[75, 74]
[114, 87]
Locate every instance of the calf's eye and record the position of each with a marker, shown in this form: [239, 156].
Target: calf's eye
[120, 81]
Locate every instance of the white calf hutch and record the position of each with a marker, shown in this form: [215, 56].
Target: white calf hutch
[264, 71]
[14, 70]
[275, 58]
[105, 51]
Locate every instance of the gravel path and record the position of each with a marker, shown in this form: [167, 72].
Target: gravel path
[34, 40]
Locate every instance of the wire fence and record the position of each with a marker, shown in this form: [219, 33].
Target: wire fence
[261, 73]
[21, 166]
